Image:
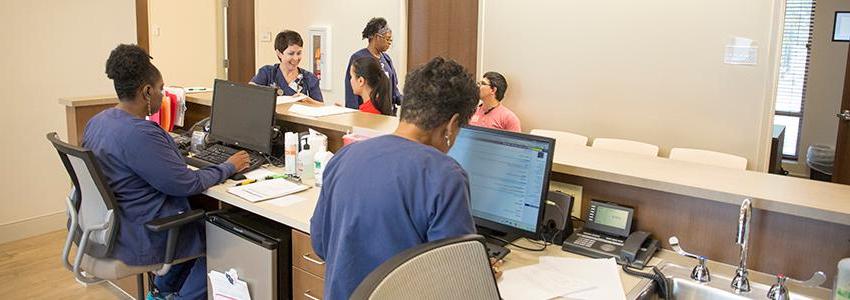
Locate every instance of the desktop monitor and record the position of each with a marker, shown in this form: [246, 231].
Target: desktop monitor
[508, 178]
[243, 115]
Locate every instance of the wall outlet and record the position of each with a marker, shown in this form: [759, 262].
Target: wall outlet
[266, 37]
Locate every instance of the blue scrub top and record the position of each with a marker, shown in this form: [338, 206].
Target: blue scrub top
[413, 194]
[150, 180]
[270, 75]
[354, 101]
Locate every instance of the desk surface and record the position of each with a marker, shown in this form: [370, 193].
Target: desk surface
[801, 197]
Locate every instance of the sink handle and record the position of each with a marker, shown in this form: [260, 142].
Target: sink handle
[817, 279]
[674, 243]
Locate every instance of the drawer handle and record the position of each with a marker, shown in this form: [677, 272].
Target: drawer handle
[307, 294]
[312, 260]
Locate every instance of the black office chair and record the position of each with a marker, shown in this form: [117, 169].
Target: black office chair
[93, 223]
[454, 268]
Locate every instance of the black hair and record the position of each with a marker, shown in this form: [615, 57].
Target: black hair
[497, 81]
[436, 91]
[287, 38]
[370, 70]
[130, 68]
[373, 27]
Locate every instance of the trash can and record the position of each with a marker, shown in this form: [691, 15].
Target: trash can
[820, 159]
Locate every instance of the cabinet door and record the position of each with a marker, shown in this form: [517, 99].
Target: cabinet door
[303, 256]
[306, 286]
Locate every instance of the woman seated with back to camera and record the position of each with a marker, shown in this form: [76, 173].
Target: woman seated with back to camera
[286, 76]
[491, 113]
[371, 84]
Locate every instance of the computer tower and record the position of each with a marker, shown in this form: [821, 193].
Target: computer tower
[257, 248]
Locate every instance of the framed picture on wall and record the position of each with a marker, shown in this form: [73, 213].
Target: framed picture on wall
[319, 54]
[841, 29]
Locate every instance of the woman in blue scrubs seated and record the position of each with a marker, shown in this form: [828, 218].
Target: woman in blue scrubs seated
[420, 195]
[148, 176]
[286, 76]
[380, 39]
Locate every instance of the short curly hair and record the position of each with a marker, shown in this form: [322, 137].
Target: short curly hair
[373, 27]
[287, 38]
[436, 91]
[130, 67]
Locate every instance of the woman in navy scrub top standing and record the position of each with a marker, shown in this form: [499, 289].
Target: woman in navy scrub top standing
[286, 76]
[380, 39]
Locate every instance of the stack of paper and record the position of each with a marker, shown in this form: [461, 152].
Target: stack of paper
[290, 99]
[320, 111]
[569, 278]
[267, 189]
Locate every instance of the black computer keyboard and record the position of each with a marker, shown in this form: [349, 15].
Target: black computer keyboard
[217, 154]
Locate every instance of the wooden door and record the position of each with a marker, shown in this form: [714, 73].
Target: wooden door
[447, 28]
[240, 40]
[841, 171]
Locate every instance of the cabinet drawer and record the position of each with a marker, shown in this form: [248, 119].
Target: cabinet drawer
[306, 286]
[303, 255]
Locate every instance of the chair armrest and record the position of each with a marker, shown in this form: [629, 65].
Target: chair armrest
[173, 225]
[175, 221]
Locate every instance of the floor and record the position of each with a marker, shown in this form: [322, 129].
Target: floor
[32, 269]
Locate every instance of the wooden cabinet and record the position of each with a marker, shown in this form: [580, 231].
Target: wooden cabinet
[306, 286]
[308, 270]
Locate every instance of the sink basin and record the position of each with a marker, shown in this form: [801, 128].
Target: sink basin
[718, 289]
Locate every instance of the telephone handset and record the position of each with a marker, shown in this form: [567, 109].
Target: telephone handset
[607, 233]
[638, 249]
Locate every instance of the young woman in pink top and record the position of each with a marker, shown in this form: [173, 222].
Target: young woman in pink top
[370, 82]
[491, 113]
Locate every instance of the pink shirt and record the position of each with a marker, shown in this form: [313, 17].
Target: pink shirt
[499, 118]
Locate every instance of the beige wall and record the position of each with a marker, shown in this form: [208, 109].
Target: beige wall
[346, 26]
[51, 49]
[183, 40]
[650, 71]
[824, 86]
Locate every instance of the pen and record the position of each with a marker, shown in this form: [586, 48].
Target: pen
[276, 176]
[249, 181]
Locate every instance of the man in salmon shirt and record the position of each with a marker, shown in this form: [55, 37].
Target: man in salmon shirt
[491, 113]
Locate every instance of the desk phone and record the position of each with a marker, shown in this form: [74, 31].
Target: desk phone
[607, 233]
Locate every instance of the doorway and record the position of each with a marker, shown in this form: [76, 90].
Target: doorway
[811, 81]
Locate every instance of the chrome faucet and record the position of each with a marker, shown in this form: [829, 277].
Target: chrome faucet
[740, 284]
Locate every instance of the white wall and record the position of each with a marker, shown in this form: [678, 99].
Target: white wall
[346, 21]
[824, 85]
[650, 71]
[51, 49]
[184, 40]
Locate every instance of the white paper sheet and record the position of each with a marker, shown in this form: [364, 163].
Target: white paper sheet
[267, 189]
[224, 288]
[290, 99]
[541, 281]
[320, 111]
[259, 174]
[603, 273]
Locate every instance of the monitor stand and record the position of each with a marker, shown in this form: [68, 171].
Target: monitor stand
[496, 241]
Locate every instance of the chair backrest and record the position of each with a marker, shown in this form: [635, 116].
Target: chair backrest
[95, 203]
[627, 146]
[707, 157]
[454, 268]
[562, 137]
